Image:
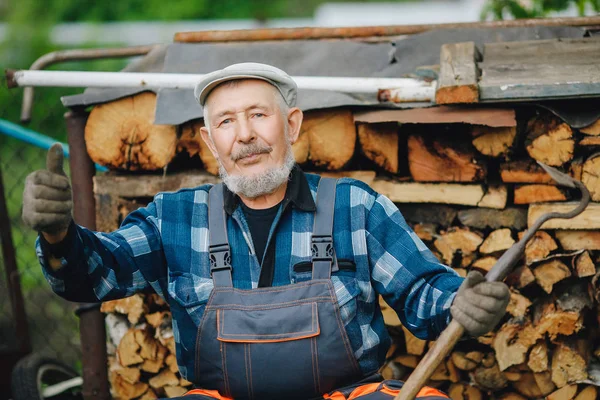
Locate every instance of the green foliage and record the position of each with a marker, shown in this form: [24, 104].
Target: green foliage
[501, 9]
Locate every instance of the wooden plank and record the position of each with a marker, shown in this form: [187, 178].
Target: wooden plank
[527, 194]
[530, 82]
[459, 74]
[443, 193]
[493, 117]
[569, 50]
[482, 218]
[577, 240]
[588, 219]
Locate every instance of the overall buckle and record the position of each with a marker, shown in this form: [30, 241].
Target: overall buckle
[322, 248]
[220, 258]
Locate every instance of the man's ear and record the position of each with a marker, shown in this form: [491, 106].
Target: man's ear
[206, 137]
[295, 117]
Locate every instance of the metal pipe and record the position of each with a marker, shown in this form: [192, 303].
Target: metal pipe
[254, 35]
[411, 88]
[13, 278]
[91, 321]
[37, 139]
[75, 55]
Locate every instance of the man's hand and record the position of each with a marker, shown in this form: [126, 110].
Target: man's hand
[47, 202]
[479, 305]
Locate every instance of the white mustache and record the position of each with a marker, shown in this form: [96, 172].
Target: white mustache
[249, 150]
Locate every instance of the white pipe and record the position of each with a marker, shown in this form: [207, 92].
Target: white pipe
[415, 89]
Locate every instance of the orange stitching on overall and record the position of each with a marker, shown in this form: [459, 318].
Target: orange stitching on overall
[212, 393]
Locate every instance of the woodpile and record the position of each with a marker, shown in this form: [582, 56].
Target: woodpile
[141, 349]
[468, 190]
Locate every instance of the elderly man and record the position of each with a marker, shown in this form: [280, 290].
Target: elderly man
[273, 276]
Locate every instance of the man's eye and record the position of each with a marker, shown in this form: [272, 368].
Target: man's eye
[226, 121]
[259, 115]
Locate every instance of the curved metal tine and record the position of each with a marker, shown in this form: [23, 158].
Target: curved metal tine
[560, 177]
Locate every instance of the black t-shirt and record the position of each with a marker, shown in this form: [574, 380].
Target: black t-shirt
[259, 222]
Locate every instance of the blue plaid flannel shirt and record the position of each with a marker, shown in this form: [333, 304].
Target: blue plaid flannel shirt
[164, 247]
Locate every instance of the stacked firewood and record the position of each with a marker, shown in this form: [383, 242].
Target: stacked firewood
[141, 349]
[469, 190]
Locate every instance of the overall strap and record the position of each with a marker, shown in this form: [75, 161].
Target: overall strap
[220, 253]
[323, 254]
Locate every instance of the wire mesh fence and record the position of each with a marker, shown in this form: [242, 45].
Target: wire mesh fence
[53, 325]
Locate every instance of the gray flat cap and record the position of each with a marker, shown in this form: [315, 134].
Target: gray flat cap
[276, 77]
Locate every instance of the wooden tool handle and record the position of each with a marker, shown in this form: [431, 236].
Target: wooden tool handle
[432, 359]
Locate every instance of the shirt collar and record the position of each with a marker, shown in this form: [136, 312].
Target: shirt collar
[297, 192]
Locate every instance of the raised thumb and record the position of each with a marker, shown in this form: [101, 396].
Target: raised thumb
[54, 159]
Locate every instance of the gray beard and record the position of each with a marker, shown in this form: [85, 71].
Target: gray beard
[260, 184]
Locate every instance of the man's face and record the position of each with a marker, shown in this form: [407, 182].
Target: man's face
[248, 129]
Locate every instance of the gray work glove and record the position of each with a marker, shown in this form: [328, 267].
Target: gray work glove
[479, 305]
[47, 202]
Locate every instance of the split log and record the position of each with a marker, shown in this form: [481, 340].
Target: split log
[174, 391]
[466, 361]
[520, 277]
[564, 393]
[569, 362]
[459, 74]
[489, 378]
[588, 219]
[191, 142]
[155, 365]
[122, 134]
[549, 273]
[331, 137]
[425, 232]
[538, 247]
[457, 239]
[486, 218]
[149, 395]
[527, 386]
[495, 197]
[485, 264]
[165, 378]
[414, 345]
[125, 390]
[430, 213]
[511, 396]
[498, 240]
[549, 140]
[128, 350]
[443, 193]
[548, 318]
[576, 240]
[440, 159]
[463, 391]
[524, 171]
[544, 382]
[576, 168]
[528, 194]
[583, 265]
[408, 360]
[446, 371]
[132, 306]
[130, 375]
[538, 357]
[592, 129]
[512, 342]
[589, 141]
[379, 143]
[493, 141]
[590, 176]
[587, 393]
[518, 304]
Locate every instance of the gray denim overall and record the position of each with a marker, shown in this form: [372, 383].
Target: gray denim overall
[274, 342]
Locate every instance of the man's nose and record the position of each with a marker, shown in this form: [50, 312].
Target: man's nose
[245, 131]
